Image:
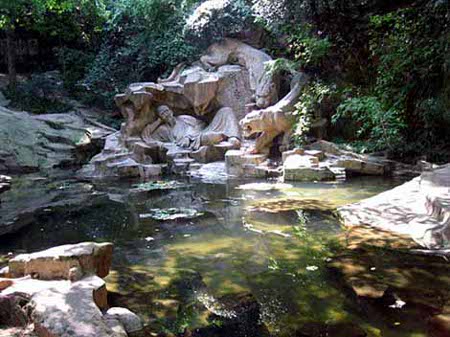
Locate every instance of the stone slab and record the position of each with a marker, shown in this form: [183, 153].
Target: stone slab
[418, 208]
[56, 263]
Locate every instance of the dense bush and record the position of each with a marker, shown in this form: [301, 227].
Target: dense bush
[144, 38]
[381, 128]
[406, 98]
[40, 95]
[215, 19]
[74, 64]
[306, 47]
[307, 110]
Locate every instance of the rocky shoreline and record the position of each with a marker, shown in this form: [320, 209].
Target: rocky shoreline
[419, 209]
[60, 292]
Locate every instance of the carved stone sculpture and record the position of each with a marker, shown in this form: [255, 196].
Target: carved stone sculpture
[274, 120]
[234, 51]
[135, 107]
[191, 133]
[197, 119]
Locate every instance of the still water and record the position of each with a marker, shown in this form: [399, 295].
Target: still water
[185, 250]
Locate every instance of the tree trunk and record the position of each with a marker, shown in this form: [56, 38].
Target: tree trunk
[11, 55]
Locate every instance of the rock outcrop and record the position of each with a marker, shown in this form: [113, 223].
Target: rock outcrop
[305, 168]
[64, 262]
[419, 208]
[30, 143]
[65, 293]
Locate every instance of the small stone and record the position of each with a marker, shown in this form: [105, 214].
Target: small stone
[128, 319]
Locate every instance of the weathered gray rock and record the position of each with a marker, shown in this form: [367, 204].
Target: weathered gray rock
[32, 143]
[234, 89]
[363, 166]
[66, 307]
[128, 319]
[353, 163]
[305, 168]
[419, 208]
[261, 82]
[292, 152]
[239, 162]
[30, 195]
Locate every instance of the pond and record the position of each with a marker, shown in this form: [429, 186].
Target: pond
[241, 258]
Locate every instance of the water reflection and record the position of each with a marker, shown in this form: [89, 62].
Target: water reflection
[273, 242]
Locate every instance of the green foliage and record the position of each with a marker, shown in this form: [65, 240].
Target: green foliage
[404, 53]
[307, 48]
[308, 106]
[144, 38]
[74, 64]
[213, 20]
[37, 96]
[280, 65]
[382, 128]
[410, 50]
[66, 19]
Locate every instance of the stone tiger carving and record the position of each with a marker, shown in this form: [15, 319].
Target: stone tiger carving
[233, 51]
[274, 120]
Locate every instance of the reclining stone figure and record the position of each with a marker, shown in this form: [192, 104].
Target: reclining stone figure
[191, 133]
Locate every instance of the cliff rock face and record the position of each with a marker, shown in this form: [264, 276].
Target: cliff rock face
[31, 143]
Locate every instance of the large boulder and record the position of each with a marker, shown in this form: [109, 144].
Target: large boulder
[305, 168]
[37, 142]
[419, 209]
[363, 166]
[63, 262]
[64, 295]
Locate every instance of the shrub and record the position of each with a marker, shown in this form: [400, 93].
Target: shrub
[307, 48]
[39, 95]
[74, 64]
[382, 129]
[306, 110]
[215, 19]
[144, 38]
